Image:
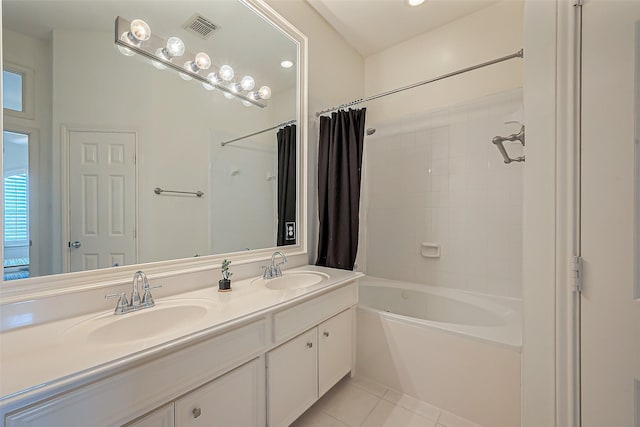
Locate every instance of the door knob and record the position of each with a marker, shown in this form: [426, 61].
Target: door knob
[310, 344]
[75, 244]
[196, 412]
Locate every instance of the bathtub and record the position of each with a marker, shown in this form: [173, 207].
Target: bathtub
[453, 349]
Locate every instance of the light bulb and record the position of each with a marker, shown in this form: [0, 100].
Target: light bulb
[202, 61]
[157, 64]
[140, 30]
[125, 50]
[415, 2]
[187, 66]
[264, 92]
[214, 78]
[175, 47]
[226, 73]
[228, 95]
[247, 83]
[246, 103]
[207, 86]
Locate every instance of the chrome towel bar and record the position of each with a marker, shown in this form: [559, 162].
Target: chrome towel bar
[159, 190]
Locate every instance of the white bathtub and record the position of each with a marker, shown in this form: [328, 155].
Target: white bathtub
[456, 350]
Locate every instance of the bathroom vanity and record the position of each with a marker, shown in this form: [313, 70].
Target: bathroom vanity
[256, 356]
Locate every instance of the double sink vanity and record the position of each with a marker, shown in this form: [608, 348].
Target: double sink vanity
[259, 355]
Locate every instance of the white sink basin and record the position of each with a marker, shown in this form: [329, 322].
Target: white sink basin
[165, 318]
[292, 280]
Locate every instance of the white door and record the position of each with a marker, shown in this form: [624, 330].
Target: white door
[610, 323]
[102, 199]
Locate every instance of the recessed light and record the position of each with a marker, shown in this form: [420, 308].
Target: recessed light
[286, 64]
[415, 2]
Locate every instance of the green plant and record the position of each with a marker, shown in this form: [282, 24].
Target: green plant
[226, 274]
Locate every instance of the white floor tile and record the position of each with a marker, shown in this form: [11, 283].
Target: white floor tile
[370, 386]
[314, 417]
[386, 414]
[348, 403]
[451, 420]
[412, 404]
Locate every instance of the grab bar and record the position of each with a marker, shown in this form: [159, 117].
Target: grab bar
[159, 190]
[499, 140]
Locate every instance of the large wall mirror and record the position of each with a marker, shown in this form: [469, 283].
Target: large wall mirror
[112, 158]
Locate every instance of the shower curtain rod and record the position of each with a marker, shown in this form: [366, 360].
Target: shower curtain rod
[518, 54]
[290, 122]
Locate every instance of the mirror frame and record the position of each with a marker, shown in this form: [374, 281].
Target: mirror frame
[66, 283]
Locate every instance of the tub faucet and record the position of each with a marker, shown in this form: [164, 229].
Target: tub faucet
[273, 270]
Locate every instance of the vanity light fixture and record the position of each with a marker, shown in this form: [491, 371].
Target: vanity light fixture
[226, 73]
[263, 93]
[173, 48]
[139, 31]
[201, 62]
[135, 37]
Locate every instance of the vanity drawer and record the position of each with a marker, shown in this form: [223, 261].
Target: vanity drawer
[290, 322]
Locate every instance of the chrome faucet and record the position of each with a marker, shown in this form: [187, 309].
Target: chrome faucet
[124, 306]
[274, 270]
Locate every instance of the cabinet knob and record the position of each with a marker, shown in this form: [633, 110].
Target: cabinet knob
[196, 412]
[326, 333]
[309, 344]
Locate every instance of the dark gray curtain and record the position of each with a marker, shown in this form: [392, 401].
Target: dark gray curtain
[339, 171]
[287, 229]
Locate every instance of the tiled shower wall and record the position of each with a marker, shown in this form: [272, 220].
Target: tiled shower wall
[439, 179]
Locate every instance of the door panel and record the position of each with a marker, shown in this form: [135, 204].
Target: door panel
[610, 323]
[102, 199]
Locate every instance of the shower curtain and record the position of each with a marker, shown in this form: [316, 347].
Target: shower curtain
[339, 172]
[286, 233]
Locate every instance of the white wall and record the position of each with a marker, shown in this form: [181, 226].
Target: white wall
[335, 72]
[487, 34]
[441, 180]
[539, 219]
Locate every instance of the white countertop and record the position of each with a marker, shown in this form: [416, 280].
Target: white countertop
[45, 359]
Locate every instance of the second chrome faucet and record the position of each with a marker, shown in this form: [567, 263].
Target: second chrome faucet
[274, 270]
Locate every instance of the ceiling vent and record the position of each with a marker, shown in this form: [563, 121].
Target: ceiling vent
[200, 26]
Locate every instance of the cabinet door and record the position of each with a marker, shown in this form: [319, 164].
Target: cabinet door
[292, 378]
[235, 399]
[161, 417]
[334, 350]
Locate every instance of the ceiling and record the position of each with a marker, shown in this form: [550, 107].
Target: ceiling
[374, 25]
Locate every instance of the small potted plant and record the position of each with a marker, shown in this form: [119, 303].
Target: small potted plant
[224, 284]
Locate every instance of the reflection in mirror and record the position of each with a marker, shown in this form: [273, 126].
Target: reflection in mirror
[112, 125]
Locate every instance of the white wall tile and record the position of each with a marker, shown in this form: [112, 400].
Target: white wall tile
[447, 184]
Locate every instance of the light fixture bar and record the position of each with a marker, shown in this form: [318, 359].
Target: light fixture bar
[122, 25]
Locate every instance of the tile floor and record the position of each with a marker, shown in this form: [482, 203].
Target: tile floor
[360, 403]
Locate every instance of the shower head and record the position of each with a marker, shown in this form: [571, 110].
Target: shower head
[371, 131]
